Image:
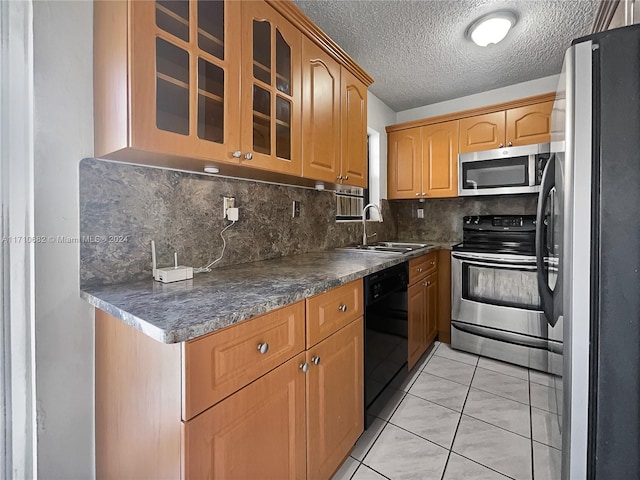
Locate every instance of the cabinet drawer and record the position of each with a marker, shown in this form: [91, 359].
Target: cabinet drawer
[422, 266]
[221, 363]
[332, 310]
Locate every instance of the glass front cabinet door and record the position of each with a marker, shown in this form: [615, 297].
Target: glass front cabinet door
[186, 64]
[271, 90]
[194, 83]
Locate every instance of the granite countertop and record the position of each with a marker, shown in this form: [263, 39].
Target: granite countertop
[176, 312]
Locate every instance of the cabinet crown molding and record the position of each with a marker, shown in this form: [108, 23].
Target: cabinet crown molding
[545, 97]
[297, 17]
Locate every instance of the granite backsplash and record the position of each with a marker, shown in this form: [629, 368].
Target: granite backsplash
[442, 220]
[123, 207]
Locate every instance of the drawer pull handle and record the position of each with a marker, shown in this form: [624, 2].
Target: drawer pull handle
[419, 269]
[263, 348]
[315, 360]
[304, 367]
[426, 284]
[342, 308]
[433, 263]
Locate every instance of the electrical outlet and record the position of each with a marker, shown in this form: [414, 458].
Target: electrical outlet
[420, 212]
[295, 210]
[227, 203]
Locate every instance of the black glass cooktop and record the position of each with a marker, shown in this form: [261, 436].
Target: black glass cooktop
[501, 234]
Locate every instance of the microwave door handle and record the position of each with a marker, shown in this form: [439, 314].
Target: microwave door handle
[546, 294]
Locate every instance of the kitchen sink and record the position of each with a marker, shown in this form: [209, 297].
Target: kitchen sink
[403, 245]
[388, 247]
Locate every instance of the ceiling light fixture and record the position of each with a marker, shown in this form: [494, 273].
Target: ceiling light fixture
[492, 27]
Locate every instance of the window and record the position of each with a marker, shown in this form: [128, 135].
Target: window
[351, 200]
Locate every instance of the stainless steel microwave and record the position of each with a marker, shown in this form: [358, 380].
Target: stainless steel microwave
[504, 171]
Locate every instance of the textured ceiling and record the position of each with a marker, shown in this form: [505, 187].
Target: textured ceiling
[418, 54]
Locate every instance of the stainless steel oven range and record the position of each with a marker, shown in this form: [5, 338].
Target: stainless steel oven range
[496, 308]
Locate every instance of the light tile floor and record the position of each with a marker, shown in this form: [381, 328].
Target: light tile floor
[462, 417]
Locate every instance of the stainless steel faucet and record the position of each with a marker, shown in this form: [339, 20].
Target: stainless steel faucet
[364, 220]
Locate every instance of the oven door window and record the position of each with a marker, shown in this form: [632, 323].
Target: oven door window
[504, 172]
[503, 286]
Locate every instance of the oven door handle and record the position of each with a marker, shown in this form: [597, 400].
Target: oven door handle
[527, 264]
[546, 294]
[521, 340]
[507, 265]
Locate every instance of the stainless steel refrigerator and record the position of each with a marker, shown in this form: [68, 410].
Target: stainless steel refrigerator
[588, 249]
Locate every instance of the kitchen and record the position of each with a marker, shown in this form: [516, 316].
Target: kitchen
[54, 416]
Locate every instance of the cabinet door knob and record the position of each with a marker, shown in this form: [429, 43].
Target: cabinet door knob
[509, 144]
[424, 194]
[426, 284]
[417, 194]
[248, 156]
[342, 307]
[346, 177]
[500, 145]
[304, 367]
[315, 360]
[339, 177]
[237, 154]
[263, 348]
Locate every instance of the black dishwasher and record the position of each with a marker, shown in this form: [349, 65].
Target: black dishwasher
[385, 336]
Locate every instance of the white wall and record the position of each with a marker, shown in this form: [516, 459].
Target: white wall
[63, 69]
[499, 95]
[379, 115]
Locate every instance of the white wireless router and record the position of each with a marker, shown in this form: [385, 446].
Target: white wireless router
[176, 273]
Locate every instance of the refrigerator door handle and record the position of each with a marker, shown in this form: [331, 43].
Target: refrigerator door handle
[546, 294]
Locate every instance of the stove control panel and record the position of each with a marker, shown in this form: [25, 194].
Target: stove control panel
[500, 222]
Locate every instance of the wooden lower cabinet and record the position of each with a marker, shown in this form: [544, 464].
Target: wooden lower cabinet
[295, 419]
[431, 308]
[417, 325]
[444, 296]
[423, 316]
[335, 403]
[259, 432]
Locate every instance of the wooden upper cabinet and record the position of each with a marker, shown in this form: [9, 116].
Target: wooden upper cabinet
[321, 114]
[165, 79]
[530, 124]
[195, 83]
[271, 90]
[334, 128]
[423, 161]
[354, 165]
[509, 128]
[440, 160]
[482, 132]
[404, 164]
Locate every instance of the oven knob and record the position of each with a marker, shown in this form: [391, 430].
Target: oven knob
[477, 221]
